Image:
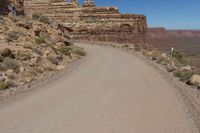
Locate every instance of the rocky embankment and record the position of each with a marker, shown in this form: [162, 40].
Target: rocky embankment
[31, 47]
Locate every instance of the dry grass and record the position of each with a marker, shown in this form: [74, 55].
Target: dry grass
[4, 85]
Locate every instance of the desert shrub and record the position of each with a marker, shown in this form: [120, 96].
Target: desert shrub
[44, 19]
[11, 64]
[29, 23]
[184, 75]
[24, 55]
[155, 55]
[80, 52]
[137, 47]
[2, 67]
[66, 50]
[35, 16]
[179, 58]
[4, 85]
[13, 35]
[40, 40]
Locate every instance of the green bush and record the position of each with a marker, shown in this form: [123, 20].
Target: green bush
[44, 19]
[11, 36]
[80, 52]
[66, 50]
[35, 16]
[11, 64]
[24, 55]
[4, 85]
[184, 75]
[179, 58]
[40, 40]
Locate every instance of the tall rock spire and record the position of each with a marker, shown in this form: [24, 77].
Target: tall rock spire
[88, 3]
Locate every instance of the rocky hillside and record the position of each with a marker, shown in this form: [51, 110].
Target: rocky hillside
[31, 47]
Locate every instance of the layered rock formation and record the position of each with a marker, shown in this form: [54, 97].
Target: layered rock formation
[89, 22]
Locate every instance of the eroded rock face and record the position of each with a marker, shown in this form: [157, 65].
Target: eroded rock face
[90, 22]
[6, 6]
[111, 27]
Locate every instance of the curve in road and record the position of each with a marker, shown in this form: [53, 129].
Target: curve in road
[110, 92]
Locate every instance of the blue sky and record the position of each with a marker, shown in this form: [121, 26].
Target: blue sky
[171, 14]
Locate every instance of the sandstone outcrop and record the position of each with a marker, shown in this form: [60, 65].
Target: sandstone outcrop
[90, 22]
[195, 80]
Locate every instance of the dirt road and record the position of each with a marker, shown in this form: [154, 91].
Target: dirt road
[110, 92]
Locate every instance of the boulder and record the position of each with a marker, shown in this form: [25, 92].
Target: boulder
[53, 58]
[6, 52]
[60, 67]
[188, 67]
[22, 69]
[195, 80]
[2, 78]
[164, 55]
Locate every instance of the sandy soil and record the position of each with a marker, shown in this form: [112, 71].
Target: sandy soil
[110, 92]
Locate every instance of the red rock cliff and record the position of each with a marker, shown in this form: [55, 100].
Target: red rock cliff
[89, 22]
